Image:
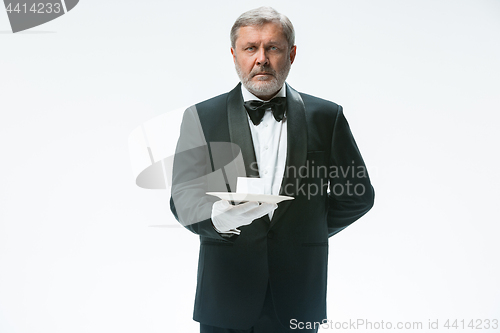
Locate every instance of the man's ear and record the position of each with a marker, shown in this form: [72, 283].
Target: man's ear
[293, 52]
[234, 54]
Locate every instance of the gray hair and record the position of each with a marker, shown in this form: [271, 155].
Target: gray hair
[260, 16]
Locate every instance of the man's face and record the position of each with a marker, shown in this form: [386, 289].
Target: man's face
[262, 58]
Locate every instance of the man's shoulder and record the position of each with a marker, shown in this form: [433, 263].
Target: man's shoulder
[219, 99]
[320, 108]
[212, 110]
[317, 102]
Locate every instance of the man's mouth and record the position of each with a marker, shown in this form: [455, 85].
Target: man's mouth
[263, 73]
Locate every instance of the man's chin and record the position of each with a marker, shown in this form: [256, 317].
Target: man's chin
[263, 87]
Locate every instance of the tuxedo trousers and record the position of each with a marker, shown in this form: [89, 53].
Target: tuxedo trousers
[268, 322]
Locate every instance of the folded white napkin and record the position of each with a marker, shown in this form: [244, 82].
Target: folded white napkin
[250, 185]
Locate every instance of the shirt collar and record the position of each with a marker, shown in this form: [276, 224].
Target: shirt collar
[248, 96]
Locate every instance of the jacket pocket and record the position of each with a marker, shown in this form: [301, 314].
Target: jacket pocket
[216, 242]
[316, 244]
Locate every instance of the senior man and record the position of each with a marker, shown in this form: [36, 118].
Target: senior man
[263, 266]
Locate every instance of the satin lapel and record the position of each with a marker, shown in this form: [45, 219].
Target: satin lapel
[239, 130]
[296, 152]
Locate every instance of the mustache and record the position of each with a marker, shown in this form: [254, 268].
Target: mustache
[263, 69]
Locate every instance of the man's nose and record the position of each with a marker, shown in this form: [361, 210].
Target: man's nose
[262, 57]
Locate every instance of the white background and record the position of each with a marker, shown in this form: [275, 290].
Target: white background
[419, 83]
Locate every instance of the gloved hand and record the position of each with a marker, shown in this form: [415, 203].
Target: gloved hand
[226, 218]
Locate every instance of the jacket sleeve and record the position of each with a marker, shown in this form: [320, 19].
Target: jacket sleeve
[191, 174]
[351, 194]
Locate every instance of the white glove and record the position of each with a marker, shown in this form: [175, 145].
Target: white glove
[226, 218]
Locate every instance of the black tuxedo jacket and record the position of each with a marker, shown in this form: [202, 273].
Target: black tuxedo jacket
[326, 175]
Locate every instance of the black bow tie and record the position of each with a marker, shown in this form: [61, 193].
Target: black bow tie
[256, 109]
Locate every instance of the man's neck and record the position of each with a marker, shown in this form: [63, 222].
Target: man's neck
[267, 97]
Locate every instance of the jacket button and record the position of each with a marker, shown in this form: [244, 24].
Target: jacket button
[270, 234]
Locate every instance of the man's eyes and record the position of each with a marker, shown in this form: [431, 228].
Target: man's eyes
[251, 48]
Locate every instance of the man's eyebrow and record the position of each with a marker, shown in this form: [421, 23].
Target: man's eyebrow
[272, 42]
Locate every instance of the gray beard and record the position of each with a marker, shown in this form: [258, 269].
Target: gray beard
[265, 87]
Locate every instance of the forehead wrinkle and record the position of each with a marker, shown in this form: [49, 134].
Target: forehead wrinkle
[260, 30]
[275, 42]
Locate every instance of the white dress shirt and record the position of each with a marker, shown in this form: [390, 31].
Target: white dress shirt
[270, 144]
